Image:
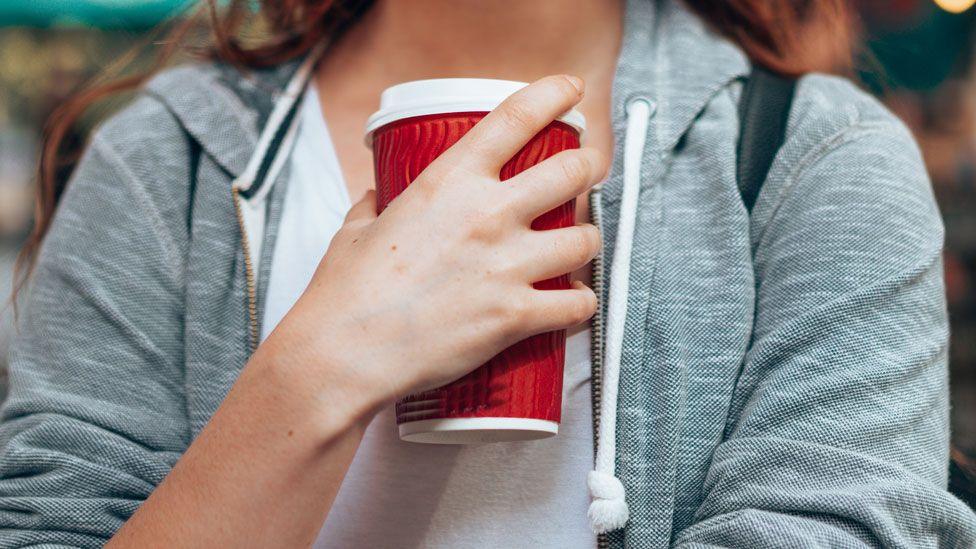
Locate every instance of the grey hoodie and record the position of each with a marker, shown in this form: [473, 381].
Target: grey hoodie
[782, 376]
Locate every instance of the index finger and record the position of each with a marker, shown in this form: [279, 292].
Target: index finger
[504, 131]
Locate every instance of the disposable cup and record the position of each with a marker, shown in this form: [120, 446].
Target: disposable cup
[517, 395]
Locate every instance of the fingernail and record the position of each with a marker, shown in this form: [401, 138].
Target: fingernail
[577, 83]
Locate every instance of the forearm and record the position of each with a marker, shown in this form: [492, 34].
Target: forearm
[263, 472]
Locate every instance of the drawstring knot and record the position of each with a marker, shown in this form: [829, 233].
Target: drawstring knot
[608, 498]
[608, 506]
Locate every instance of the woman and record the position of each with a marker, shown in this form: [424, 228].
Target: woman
[191, 371]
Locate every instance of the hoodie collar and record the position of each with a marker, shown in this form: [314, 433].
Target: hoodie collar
[670, 56]
[222, 108]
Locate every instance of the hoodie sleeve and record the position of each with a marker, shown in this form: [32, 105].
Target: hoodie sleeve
[96, 416]
[838, 434]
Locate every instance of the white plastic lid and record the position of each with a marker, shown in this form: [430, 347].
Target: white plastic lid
[445, 95]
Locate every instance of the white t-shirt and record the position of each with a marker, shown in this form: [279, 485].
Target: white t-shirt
[400, 494]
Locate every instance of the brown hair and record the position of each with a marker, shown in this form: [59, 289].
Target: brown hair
[789, 36]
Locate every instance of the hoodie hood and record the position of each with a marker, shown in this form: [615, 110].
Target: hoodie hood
[223, 109]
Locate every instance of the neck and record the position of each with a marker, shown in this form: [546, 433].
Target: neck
[511, 39]
[400, 40]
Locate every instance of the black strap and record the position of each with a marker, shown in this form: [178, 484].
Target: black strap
[763, 112]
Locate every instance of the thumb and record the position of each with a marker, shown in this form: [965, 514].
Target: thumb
[364, 210]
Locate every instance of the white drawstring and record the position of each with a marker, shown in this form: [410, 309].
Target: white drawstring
[608, 502]
[253, 212]
[285, 104]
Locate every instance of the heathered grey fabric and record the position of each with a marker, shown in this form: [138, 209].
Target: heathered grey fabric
[784, 376]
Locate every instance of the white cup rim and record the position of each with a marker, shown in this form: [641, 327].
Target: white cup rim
[450, 95]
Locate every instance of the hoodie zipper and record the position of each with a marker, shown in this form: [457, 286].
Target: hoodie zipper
[596, 336]
[249, 277]
[270, 145]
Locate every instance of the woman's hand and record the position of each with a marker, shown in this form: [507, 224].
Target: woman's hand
[442, 280]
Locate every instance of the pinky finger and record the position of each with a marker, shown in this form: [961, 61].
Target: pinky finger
[561, 309]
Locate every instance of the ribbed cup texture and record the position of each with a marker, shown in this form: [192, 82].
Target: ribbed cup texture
[525, 380]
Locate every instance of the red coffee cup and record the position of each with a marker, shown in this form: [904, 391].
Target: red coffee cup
[517, 395]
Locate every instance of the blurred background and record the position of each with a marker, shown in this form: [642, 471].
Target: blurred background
[918, 58]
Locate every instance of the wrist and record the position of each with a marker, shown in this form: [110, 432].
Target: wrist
[317, 392]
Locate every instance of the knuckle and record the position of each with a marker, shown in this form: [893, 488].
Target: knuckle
[562, 85]
[461, 158]
[448, 169]
[591, 302]
[598, 162]
[355, 227]
[512, 195]
[421, 191]
[479, 232]
[483, 225]
[496, 209]
[518, 113]
[594, 240]
[345, 233]
[583, 306]
[429, 180]
[434, 172]
[509, 265]
[505, 267]
[497, 312]
[576, 167]
[517, 314]
[579, 246]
